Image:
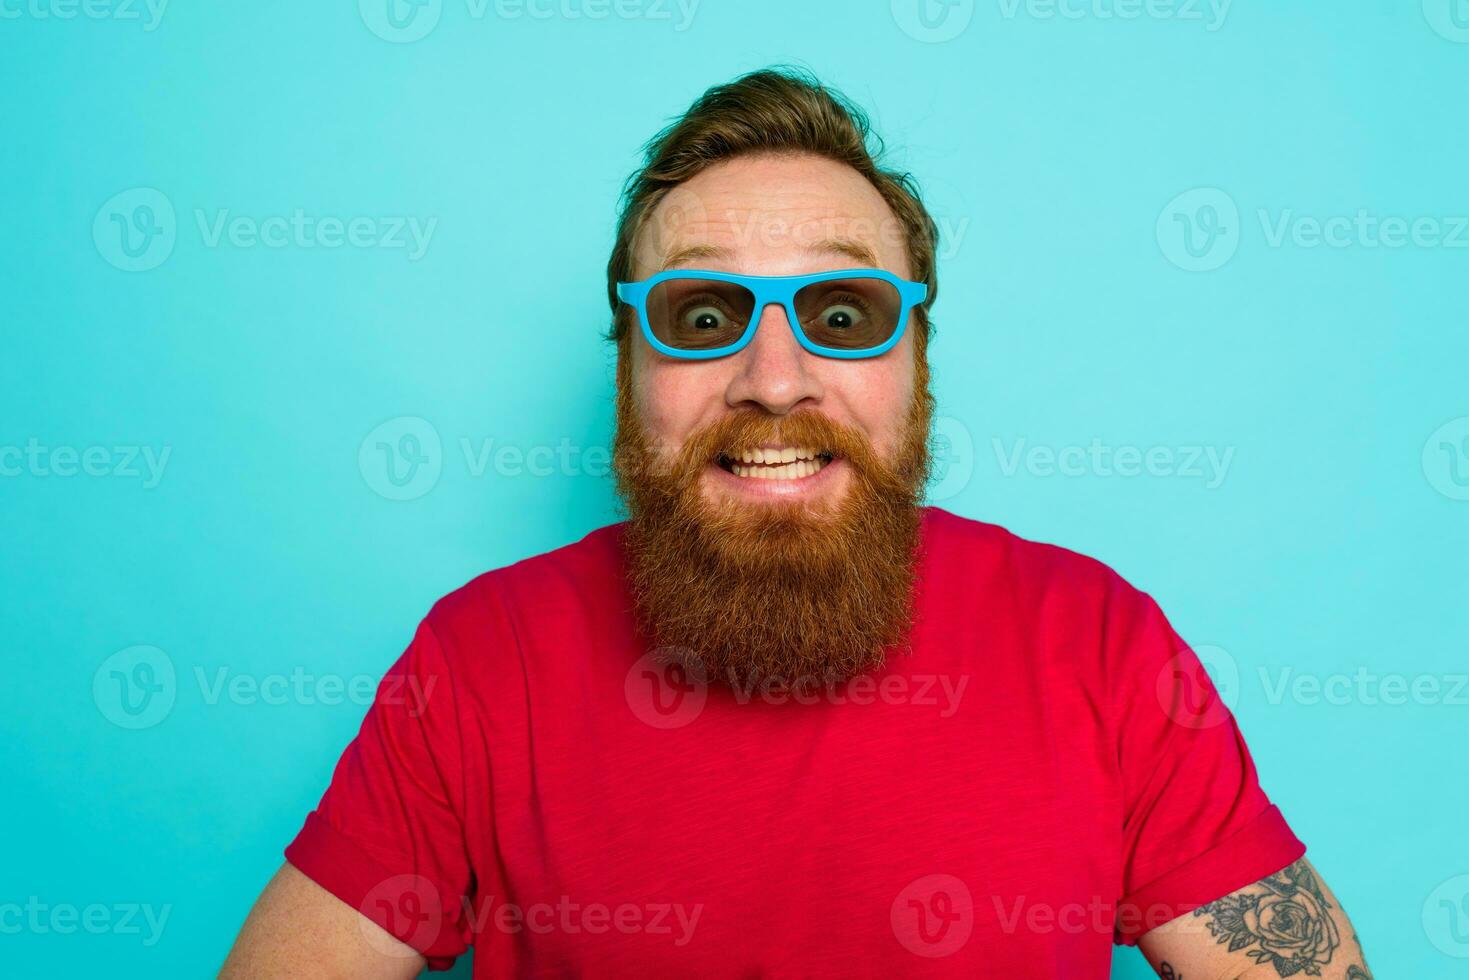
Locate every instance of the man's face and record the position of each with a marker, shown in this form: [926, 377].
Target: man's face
[763, 568]
[773, 215]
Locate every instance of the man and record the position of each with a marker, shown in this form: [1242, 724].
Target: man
[785, 720]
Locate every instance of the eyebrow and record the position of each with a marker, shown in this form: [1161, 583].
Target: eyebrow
[857, 251]
[689, 253]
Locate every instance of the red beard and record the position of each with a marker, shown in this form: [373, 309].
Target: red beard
[778, 593]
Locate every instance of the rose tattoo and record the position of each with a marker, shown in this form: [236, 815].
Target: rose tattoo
[1289, 926]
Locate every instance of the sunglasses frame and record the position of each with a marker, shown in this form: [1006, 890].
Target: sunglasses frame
[778, 290]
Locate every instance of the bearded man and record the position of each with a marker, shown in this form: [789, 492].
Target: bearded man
[786, 720]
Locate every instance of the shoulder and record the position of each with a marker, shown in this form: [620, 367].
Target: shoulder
[992, 557]
[1075, 619]
[540, 585]
[1073, 611]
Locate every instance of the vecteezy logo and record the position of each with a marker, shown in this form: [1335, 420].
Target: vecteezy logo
[1446, 917]
[1199, 229]
[680, 212]
[933, 916]
[953, 459]
[1446, 459]
[136, 230]
[135, 688]
[666, 691]
[402, 458]
[406, 907]
[933, 21]
[401, 21]
[1450, 18]
[1197, 688]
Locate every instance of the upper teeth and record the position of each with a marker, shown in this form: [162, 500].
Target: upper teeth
[781, 471]
[785, 454]
[785, 463]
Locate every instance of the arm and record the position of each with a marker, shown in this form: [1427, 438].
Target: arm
[299, 929]
[1286, 925]
[375, 881]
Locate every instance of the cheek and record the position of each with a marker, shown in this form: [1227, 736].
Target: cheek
[670, 398]
[877, 398]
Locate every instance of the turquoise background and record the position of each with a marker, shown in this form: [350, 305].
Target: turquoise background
[1072, 309]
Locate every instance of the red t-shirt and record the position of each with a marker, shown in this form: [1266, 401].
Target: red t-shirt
[1048, 773]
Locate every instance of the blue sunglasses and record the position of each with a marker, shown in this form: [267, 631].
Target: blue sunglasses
[697, 315]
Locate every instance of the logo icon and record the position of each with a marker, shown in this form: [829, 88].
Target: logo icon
[401, 21]
[933, 916]
[135, 688]
[1446, 459]
[952, 449]
[1449, 18]
[1199, 230]
[933, 21]
[408, 908]
[1197, 688]
[664, 691]
[679, 209]
[402, 458]
[1446, 917]
[136, 230]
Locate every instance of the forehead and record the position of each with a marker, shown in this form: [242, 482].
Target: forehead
[771, 214]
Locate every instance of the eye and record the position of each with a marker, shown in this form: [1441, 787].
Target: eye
[703, 315]
[704, 318]
[841, 313]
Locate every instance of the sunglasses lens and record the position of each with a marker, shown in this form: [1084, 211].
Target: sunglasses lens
[849, 314]
[699, 314]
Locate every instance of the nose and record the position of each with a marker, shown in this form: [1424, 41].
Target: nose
[774, 369]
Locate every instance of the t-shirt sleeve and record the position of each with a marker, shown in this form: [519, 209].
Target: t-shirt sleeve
[386, 837]
[1196, 824]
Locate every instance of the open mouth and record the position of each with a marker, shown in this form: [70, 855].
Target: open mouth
[775, 462]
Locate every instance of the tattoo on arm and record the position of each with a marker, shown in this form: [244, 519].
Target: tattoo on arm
[1355, 972]
[1287, 924]
[1165, 971]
